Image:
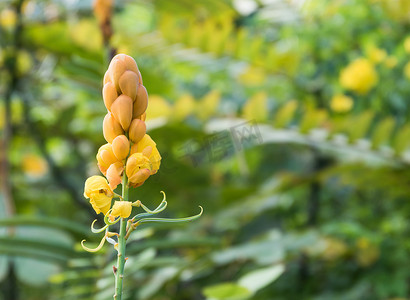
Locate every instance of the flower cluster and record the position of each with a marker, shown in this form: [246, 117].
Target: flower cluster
[128, 149]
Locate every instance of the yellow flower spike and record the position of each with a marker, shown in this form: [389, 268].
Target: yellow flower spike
[114, 173]
[95, 249]
[121, 209]
[96, 188]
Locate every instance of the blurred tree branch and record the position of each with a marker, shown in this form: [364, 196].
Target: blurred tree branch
[10, 290]
[56, 171]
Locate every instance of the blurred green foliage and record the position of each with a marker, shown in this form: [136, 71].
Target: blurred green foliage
[288, 123]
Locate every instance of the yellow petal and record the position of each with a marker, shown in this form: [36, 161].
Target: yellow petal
[114, 173]
[97, 189]
[155, 157]
[100, 202]
[121, 209]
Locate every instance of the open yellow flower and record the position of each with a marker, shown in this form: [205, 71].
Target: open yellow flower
[114, 174]
[121, 209]
[138, 169]
[359, 76]
[154, 157]
[99, 192]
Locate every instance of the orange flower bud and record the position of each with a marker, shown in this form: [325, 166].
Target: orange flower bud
[119, 64]
[114, 174]
[141, 102]
[116, 68]
[129, 62]
[128, 84]
[105, 157]
[138, 169]
[107, 77]
[102, 10]
[137, 130]
[139, 78]
[121, 147]
[122, 111]
[111, 128]
[109, 94]
[142, 117]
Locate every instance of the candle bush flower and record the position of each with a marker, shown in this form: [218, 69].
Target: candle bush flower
[129, 158]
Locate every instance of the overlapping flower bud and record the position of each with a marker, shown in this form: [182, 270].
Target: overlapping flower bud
[129, 149]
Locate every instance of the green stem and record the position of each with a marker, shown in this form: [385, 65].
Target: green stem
[119, 274]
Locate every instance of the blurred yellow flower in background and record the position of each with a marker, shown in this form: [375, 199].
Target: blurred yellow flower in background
[96, 188]
[359, 76]
[367, 252]
[391, 62]
[341, 103]
[34, 165]
[158, 107]
[252, 76]
[184, 107]
[86, 33]
[377, 55]
[256, 107]
[407, 44]
[407, 70]
[121, 209]
[334, 249]
[8, 18]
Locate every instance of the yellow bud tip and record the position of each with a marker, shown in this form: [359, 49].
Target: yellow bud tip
[165, 197]
[136, 203]
[95, 249]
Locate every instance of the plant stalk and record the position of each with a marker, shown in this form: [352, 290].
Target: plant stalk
[119, 274]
